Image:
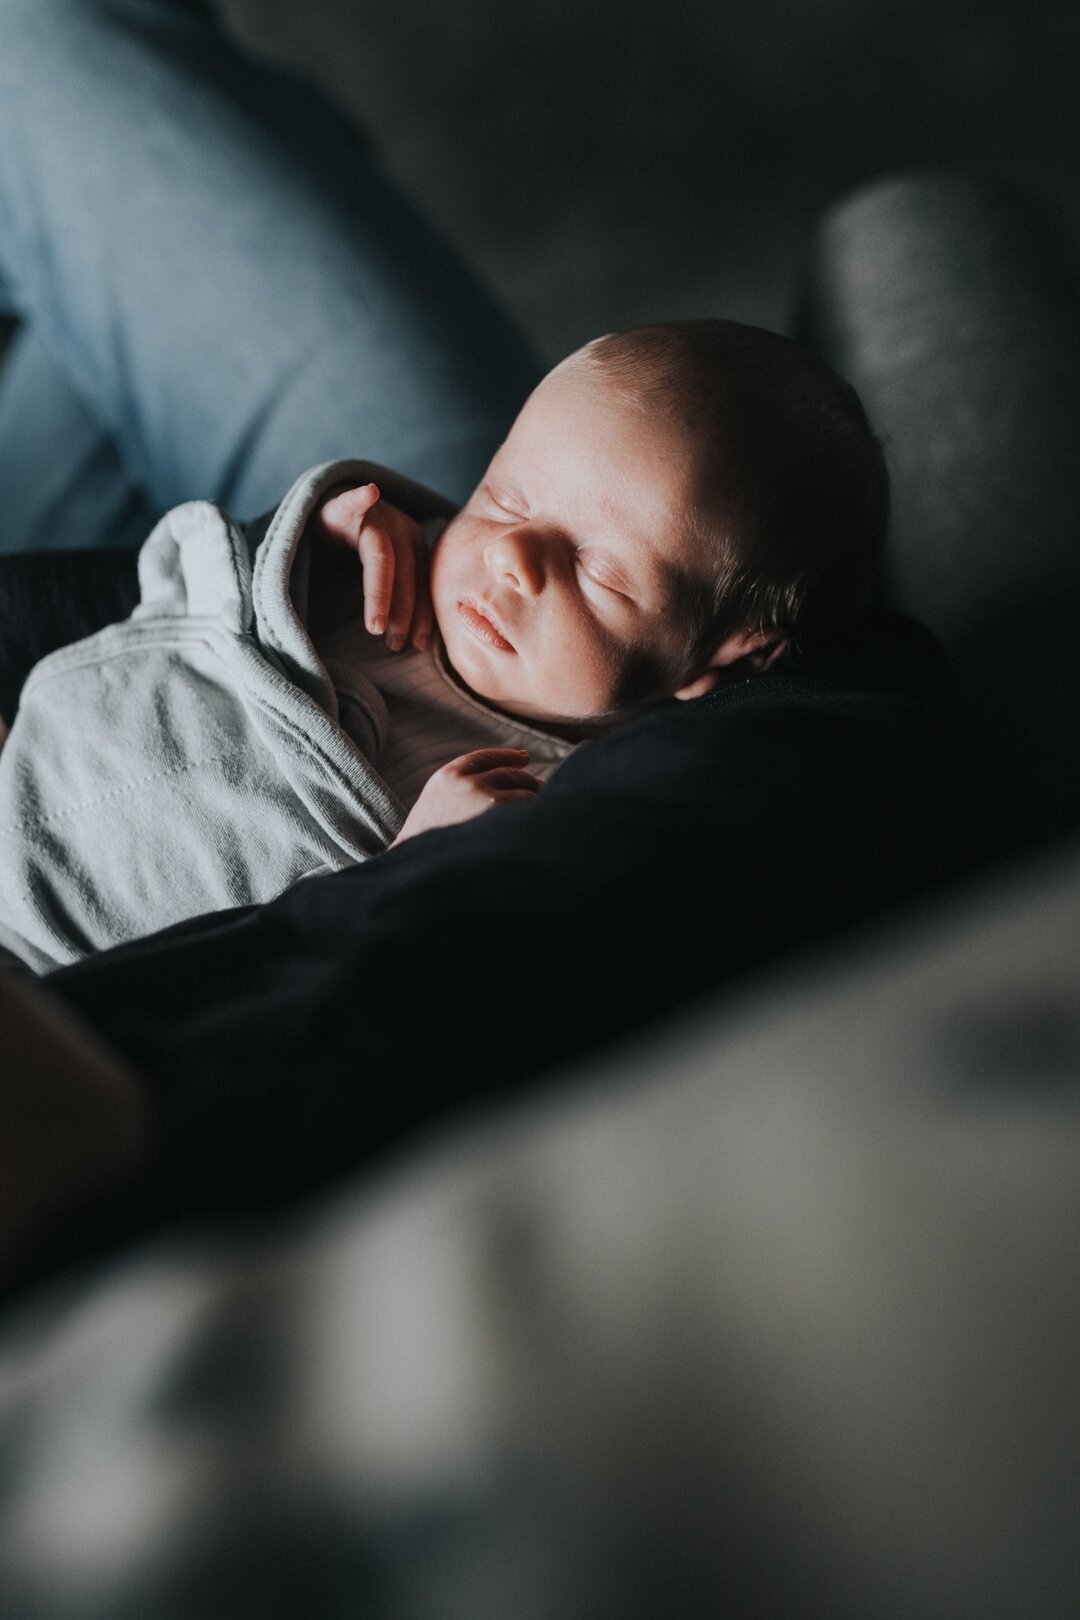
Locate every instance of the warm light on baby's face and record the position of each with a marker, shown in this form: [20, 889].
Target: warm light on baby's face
[557, 579]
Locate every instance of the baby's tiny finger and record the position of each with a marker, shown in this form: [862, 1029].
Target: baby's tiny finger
[342, 515]
[482, 759]
[377, 559]
[364, 497]
[423, 625]
[403, 595]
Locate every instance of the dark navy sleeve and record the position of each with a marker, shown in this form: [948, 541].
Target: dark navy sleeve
[283, 1044]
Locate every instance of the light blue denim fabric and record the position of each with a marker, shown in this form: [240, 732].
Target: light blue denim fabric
[220, 287]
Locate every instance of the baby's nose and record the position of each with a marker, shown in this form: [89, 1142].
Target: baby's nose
[516, 559]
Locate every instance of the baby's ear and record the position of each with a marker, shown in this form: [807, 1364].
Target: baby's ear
[744, 652]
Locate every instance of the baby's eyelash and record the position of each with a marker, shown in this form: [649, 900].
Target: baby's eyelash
[511, 511]
[597, 576]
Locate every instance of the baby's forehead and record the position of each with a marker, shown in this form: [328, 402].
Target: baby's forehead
[586, 449]
[577, 410]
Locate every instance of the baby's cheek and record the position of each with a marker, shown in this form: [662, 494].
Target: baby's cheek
[588, 677]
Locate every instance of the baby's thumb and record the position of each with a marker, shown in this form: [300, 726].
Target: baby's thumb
[342, 516]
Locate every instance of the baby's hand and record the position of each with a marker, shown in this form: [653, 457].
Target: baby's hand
[394, 558]
[468, 786]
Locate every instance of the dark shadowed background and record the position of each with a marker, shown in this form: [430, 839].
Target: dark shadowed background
[610, 163]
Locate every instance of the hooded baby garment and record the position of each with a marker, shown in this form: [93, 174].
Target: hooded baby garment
[195, 756]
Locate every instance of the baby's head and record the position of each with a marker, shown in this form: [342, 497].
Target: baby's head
[673, 504]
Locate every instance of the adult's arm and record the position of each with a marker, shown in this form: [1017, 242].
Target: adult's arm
[286, 1043]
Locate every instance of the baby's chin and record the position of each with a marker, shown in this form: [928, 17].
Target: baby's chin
[468, 671]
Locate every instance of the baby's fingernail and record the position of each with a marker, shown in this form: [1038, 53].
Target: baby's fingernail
[421, 640]
[377, 626]
[395, 641]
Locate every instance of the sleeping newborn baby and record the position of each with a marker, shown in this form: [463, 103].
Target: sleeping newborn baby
[674, 506]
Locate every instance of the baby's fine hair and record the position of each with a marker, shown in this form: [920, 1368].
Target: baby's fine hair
[790, 492]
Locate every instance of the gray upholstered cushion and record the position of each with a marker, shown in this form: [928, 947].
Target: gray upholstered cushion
[951, 307]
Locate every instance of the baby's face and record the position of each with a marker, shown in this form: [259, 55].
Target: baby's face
[558, 581]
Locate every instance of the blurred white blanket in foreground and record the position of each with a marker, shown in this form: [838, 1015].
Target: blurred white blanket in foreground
[777, 1314]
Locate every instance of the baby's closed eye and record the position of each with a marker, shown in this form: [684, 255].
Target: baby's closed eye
[506, 501]
[601, 572]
